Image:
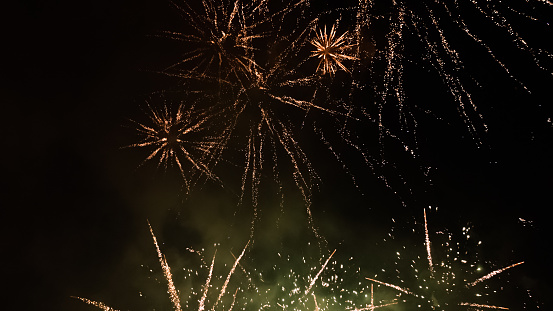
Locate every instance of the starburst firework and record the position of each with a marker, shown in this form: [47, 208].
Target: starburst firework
[218, 40]
[181, 136]
[331, 50]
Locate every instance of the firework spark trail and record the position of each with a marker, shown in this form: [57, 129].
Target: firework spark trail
[223, 289]
[452, 81]
[401, 289]
[481, 306]
[201, 306]
[458, 19]
[319, 273]
[371, 307]
[493, 273]
[500, 21]
[173, 294]
[98, 304]
[433, 300]
[316, 304]
[427, 243]
[429, 22]
[233, 299]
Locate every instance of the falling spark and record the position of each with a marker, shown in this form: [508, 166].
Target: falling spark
[223, 289]
[371, 307]
[493, 273]
[206, 286]
[406, 291]
[318, 273]
[448, 274]
[173, 294]
[482, 306]
[427, 243]
[100, 305]
[316, 304]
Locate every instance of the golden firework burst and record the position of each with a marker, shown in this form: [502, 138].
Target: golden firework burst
[331, 50]
[180, 136]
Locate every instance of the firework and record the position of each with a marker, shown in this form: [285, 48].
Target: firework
[259, 64]
[434, 36]
[219, 41]
[172, 289]
[257, 53]
[493, 273]
[331, 50]
[181, 136]
[173, 294]
[100, 305]
[446, 281]
[372, 306]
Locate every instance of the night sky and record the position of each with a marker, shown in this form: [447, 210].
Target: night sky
[76, 205]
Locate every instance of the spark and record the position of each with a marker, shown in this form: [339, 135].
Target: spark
[218, 41]
[223, 289]
[206, 286]
[100, 305]
[401, 289]
[331, 50]
[225, 284]
[433, 301]
[441, 31]
[493, 273]
[173, 294]
[316, 304]
[318, 274]
[427, 243]
[482, 306]
[371, 307]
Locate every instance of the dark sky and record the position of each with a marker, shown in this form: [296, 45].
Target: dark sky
[76, 205]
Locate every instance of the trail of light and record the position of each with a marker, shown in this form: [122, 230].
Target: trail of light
[319, 273]
[371, 307]
[493, 273]
[427, 243]
[316, 304]
[206, 286]
[98, 304]
[404, 290]
[223, 290]
[173, 294]
[481, 306]
[233, 299]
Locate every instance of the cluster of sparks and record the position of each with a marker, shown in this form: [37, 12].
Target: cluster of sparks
[174, 294]
[444, 280]
[326, 281]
